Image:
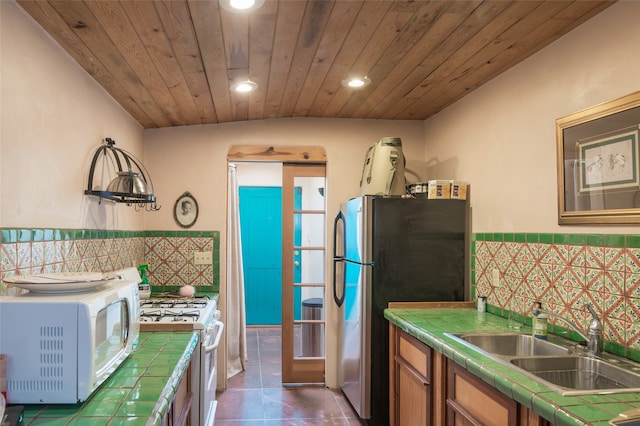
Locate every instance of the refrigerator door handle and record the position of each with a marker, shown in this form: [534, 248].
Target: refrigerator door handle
[339, 300]
[339, 218]
[338, 258]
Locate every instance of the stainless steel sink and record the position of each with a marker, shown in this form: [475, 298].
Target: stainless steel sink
[556, 363]
[512, 344]
[577, 374]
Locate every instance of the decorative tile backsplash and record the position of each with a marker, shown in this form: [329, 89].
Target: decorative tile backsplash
[170, 258]
[564, 271]
[34, 251]
[169, 254]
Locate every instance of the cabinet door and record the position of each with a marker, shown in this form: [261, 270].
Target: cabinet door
[413, 404]
[181, 406]
[530, 418]
[179, 411]
[473, 402]
[410, 380]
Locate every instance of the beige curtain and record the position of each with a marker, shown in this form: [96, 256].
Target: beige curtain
[236, 315]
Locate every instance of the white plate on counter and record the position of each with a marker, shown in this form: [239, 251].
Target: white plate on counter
[59, 282]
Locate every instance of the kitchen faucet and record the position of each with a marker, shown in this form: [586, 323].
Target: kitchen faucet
[594, 337]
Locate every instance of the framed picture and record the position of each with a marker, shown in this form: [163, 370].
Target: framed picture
[185, 210]
[609, 163]
[599, 164]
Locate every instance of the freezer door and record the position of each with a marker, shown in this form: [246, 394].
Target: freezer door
[356, 344]
[355, 230]
[419, 250]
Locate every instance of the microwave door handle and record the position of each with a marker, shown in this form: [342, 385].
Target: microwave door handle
[127, 321]
[216, 341]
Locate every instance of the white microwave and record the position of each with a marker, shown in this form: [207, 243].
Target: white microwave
[60, 347]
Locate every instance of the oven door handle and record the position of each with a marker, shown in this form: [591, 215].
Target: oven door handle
[216, 341]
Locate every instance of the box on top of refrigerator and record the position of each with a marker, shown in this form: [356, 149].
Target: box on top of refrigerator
[439, 189]
[459, 190]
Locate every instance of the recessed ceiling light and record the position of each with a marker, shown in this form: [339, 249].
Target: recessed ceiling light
[241, 5]
[356, 82]
[244, 86]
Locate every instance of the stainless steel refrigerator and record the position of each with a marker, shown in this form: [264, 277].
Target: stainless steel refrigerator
[391, 249]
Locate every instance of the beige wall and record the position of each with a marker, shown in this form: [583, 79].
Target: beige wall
[501, 137]
[194, 159]
[53, 117]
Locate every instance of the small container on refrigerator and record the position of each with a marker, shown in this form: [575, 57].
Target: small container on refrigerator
[458, 190]
[439, 189]
[418, 190]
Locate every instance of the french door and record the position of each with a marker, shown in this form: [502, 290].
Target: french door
[303, 273]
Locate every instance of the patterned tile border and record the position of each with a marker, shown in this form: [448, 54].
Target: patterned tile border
[29, 251]
[563, 271]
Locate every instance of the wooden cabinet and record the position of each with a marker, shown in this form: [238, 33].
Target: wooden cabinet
[410, 380]
[471, 401]
[426, 388]
[179, 413]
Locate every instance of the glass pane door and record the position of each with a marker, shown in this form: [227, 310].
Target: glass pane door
[303, 273]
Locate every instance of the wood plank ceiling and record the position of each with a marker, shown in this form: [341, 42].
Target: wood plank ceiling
[171, 63]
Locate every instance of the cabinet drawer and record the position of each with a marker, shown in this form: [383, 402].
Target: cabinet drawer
[416, 354]
[472, 401]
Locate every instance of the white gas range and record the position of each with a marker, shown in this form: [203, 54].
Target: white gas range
[171, 312]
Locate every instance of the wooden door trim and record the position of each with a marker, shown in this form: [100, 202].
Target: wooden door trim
[277, 153]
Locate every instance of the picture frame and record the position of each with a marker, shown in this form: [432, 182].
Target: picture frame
[598, 164]
[610, 162]
[185, 210]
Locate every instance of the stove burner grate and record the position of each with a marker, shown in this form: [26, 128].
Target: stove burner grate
[199, 303]
[151, 316]
[182, 316]
[172, 316]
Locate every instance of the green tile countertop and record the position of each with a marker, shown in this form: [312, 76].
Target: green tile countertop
[430, 325]
[138, 393]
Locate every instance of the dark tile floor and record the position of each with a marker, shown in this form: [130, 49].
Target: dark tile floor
[256, 396]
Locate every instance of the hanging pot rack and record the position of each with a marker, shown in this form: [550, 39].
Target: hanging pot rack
[131, 186]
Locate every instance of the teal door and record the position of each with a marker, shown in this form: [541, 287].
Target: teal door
[261, 231]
